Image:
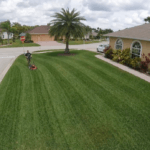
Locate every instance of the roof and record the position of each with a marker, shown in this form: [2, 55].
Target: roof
[141, 32]
[22, 34]
[94, 33]
[44, 29]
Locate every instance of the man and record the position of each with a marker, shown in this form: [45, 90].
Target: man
[28, 56]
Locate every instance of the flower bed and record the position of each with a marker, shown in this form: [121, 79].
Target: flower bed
[124, 57]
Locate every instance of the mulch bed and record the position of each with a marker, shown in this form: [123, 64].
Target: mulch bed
[66, 54]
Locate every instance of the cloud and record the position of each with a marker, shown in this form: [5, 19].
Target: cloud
[23, 4]
[118, 14]
[117, 5]
[95, 5]
[133, 5]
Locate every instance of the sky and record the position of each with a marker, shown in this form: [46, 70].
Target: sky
[113, 14]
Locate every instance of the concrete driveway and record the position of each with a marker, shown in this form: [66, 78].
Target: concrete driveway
[49, 43]
[8, 55]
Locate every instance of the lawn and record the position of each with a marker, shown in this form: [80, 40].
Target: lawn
[18, 43]
[73, 102]
[80, 42]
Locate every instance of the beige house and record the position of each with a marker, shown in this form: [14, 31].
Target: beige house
[41, 34]
[136, 38]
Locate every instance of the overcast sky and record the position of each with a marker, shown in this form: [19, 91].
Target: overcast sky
[114, 14]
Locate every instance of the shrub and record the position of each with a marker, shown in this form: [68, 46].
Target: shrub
[1, 40]
[144, 66]
[109, 53]
[122, 56]
[145, 63]
[135, 63]
[28, 37]
[116, 55]
[107, 48]
[28, 41]
[14, 38]
[125, 57]
[60, 39]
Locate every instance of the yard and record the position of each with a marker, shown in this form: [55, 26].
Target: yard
[73, 102]
[17, 43]
[81, 42]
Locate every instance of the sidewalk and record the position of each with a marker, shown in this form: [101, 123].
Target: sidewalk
[4, 71]
[125, 68]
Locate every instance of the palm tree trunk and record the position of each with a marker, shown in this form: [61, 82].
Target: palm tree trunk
[67, 46]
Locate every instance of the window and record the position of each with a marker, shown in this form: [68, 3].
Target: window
[3, 36]
[119, 44]
[136, 49]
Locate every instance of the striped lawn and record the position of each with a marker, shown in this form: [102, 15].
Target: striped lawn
[73, 102]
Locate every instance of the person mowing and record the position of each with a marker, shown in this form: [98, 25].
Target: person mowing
[28, 56]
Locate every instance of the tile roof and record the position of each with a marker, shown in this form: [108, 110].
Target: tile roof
[141, 32]
[39, 30]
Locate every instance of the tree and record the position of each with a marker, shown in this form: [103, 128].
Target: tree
[147, 19]
[28, 37]
[14, 31]
[67, 23]
[6, 26]
[87, 30]
[101, 32]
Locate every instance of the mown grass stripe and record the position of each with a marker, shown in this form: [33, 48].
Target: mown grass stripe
[68, 67]
[65, 82]
[55, 77]
[114, 82]
[73, 103]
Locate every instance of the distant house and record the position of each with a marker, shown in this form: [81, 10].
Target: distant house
[22, 34]
[40, 33]
[136, 38]
[4, 35]
[87, 36]
[93, 34]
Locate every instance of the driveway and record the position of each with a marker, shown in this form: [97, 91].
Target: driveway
[49, 43]
[8, 55]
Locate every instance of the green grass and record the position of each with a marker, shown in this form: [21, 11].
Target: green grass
[73, 102]
[18, 43]
[80, 42]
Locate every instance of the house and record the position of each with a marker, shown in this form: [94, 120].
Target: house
[41, 33]
[94, 34]
[4, 35]
[136, 38]
[87, 36]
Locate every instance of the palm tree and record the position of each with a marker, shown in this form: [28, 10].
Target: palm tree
[66, 24]
[6, 26]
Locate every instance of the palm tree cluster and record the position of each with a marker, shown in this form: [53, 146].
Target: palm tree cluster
[67, 24]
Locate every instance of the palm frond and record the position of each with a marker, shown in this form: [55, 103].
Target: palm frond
[67, 23]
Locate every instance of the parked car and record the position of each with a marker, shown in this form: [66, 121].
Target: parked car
[101, 48]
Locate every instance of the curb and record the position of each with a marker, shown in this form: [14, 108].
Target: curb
[6, 69]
